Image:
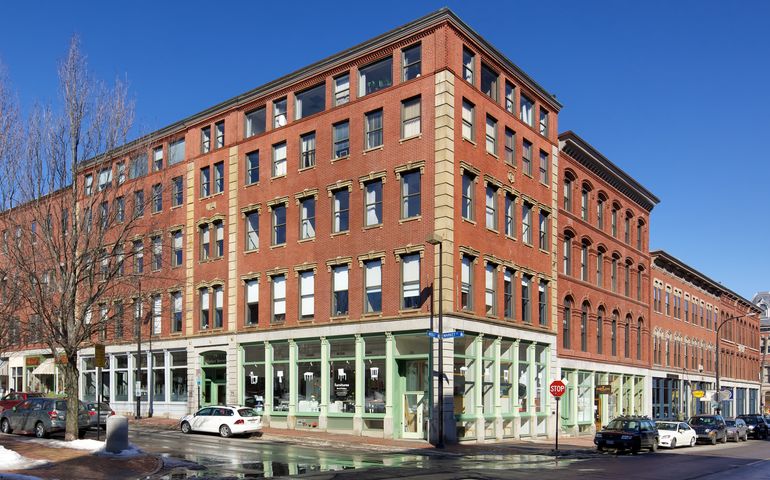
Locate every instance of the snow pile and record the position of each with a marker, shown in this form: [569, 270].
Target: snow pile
[13, 461]
[94, 446]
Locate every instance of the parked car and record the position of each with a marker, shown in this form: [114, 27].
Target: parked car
[710, 428]
[676, 434]
[757, 425]
[102, 413]
[225, 420]
[41, 416]
[12, 399]
[737, 429]
[628, 433]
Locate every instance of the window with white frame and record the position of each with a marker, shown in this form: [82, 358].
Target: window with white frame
[410, 194]
[341, 139]
[341, 89]
[205, 232]
[491, 207]
[410, 281]
[544, 228]
[105, 176]
[206, 139]
[373, 203]
[375, 76]
[510, 101]
[157, 198]
[468, 65]
[466, 283]
[219, 302]
[219, 229]
[526, 223]
[508, 306]
[89, 184]
[491, 135]
[468, 120]
[526, 298]
[279, 113]
[255, 122]
[306, 295]
[307, 218]
[176, 151]
[510, 150]
[252, 302]
[510, 215]
[410, 117]
[310, 101]
[138, 256]
[176, 311]
[340, 210]
[526, 157]
[340, 290]
[205, 308]
[157, 314]
[526, 107]
[307, 150]
[177, 191]
[157, 159]
[157, 253]
[219, 177]
[542, 302]
[279, 159]
[411, 60]
[373, 286]
[252, 167]
[543, 121]
[279, 298]
[373, 129]
[205, 182]
[468, 197]
[252, 230]
[543, 167]
[120, 168]
[176, 249]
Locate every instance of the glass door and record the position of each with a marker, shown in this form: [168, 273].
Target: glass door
[415, 405]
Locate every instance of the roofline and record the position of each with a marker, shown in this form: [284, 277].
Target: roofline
[392, 36]
[672, 259]
[646, 199]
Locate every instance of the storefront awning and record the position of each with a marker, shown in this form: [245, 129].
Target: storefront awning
[45, 368]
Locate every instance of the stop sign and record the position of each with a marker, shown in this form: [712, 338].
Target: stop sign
[557, 388]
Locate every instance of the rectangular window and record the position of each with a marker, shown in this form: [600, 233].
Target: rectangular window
[510, 216]
[584, 262]
[176, 249]
[342, 89]
[542, 303]
[157, 253]
[373, 286]
[466, 283]
[508, 293]
[341, 139]
[341, 210]
[177, 191]
[120, 209]
[411, 62]
[306, 295]
[526, 298]
[491, 207]
[490, 289]
[89, 184]
[205, 139]
[307, 218]
[139, 203]
[176, 312]
[543, 244]
[121, 171]
[491, 135]
[252, 167]
[526, 223]
[600, 268]
[157, 198]
[252, 302]
[468, 119]
[526, 107]
[375, 76]
[279, 298]
[138, 167]
[219, 230]
[176, 151]
[526, 157]
[584, 204]
[219, 129]
[339, 290]
[468, 65]
[510, 151]
[543, 167]
[138, 256]
[252, 230]
[205, 231]
[279, 224]
[279, 159]
[373, 126]
[614, 275]
[279, 113]
[543, 121]
[510, 102]
[410, 118]
[307, 150]
[410, 281]
[468, 197]
[567, 255]
[489, 82]
[105, 175]
[205, 182]
[219, 177]
[157, 313]
[373, 203]
[410, 194]
[310, 101]
[255, 122]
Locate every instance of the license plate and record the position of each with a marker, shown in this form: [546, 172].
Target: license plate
[610, 442]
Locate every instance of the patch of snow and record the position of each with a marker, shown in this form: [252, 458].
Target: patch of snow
[93, 446]
[11, 460]
[132, 451]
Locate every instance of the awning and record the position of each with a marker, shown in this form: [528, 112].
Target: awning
[3, 368]
[45, 368]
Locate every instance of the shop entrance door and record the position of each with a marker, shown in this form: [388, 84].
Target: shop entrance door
[415, 398]
[214, 379]
[598, 411]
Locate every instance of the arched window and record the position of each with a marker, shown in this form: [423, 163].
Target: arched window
[584, 201]
[639, 234]
[599, 330]
[566, 323]
[614, 333]
[627, 337]
[639, 325]
[627, 227]
[584, 327]
[600, 267]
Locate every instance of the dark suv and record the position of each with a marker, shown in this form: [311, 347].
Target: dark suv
[758, 427]
[628, 433]
[710, 428]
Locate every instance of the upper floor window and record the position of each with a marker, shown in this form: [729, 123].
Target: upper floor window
[600, 212]
[255, 122]
[510, 215]
[469, 60]
[491, 207]
[542, 303]
[639, 234]
[279, 159]
[411, 61]
[279, 224]
[490, 289]
[584, 261]
[584, 203]
[219, 231]
[219, 177]
[466, 283]
[373, 126]
[543, 167]
[567, 201]
[491, 135]
[526, 110]
[89, 184]
[341, 210]
[544, 229]
[526, 298]
[205, 181]
[157, 253]
[410, 117]
[176, 151]
[105, 177]
[121, 172]
[279, 298]
[307, 218]
[543, 121]
[526, 223]
[306, 294]
[138, 167]
[468, 120]
[614, 222]
[510, 141]
[373, 286]
[373, 203]
[279, 113]
[340, 290]
[176, 249]
[219, 130]
[410, 194]
[510, 102]
[176, 312]
[410, 281]
[508, 293]
[205, 231]
[307, 150]
[252, 167]
[341, 139]
[468, 196]
[567, 254]
[206, 139]
[526, 157]
[627, 229]
[341, 89]
[489, 82]
[252, 230]
[157, 198]
[157, 159]
[252, 302]
[177, 191]
[310, 101]
[375, 76]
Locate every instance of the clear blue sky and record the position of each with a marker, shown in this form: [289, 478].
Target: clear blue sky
[675, 93]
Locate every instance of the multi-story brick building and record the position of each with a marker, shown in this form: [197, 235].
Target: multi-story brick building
[762, 300]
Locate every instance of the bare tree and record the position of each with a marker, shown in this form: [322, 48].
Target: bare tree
[73, 224]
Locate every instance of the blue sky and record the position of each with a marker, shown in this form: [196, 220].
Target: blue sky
[675, 93]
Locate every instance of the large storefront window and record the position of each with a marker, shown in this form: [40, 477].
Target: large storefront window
[281, 377]
[507, 377]
[178, 372]
[541, 379]
[309, 376]
[523, 378]
[121, 378]
[88, 375]
[159, 376]
[487, 380]
[585, 398]
[374, 374]
[464, 374]
[142, 376]
[254, 376]
[342, 375]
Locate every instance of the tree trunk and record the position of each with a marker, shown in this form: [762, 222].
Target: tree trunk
[70, 371]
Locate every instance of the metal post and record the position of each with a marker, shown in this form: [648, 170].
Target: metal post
[137, 380]
[440, 443]
[150, 373]
[98, 400]
[716, 368]
[557, 425]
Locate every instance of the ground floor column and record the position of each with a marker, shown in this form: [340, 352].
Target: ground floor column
[291, 418]
[323, 415]
[390, 377]
[358, 418]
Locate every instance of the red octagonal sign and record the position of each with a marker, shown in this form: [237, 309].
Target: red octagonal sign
[557, 388]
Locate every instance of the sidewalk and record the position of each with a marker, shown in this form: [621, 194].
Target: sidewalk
[80, 464]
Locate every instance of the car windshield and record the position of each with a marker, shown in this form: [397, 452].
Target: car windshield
[625, 425]
[730, 423]
[703, 421]
[666, 425]
[750, 420]
[247, 412]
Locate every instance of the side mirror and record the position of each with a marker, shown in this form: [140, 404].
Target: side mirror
[195, 414]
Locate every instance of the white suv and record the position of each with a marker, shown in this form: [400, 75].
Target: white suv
[225, 420]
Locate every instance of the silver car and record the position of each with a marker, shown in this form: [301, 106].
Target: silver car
[737, 429]
[42, 416]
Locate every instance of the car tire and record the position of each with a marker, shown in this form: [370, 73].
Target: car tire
[746, 437]
[599, 448]
[724, 440]
[225, 432]
[40, 430]
[673, 443]
[82, 433]
[185, 427]
[693, 441]
[713, 440]
[5, 426]
[654, 446]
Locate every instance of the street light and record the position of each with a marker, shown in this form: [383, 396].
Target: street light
[435, 239]
[716, 365]
[137, 380]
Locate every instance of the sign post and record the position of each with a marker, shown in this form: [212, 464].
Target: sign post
[101, 362]
[557, 389]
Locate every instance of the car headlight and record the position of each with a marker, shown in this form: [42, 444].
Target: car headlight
[665, 437]
[626, 437]
[708, 430]
[751, 427]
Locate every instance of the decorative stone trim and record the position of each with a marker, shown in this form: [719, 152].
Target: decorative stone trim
[471, 252]
[409, 249]
[338, 261]
[383, 175]
[464, 166]
[305, 194]
[492, 181]
[339, 185]
[250, 276]
[251, 207]
[408, 167]
[371, 256]
[269, 274]
[304, 268]
[277, 201]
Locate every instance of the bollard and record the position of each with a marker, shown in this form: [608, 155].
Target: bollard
[117, 434]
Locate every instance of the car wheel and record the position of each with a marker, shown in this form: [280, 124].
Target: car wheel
[40, 430]
[5, 426]
[745, 437]
[599, 449]
[673, 443]
[693, 441]
[713, 440]
[724, 440]
[654, 446]
[82, 433]
[186, 427]
[224, 431]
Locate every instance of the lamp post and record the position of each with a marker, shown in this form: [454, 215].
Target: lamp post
[138, 375]
[716, 364]
[434, 239]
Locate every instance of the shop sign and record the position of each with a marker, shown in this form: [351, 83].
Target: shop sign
[603, 389]
[698, 393]
[32, 361]
[100, 360]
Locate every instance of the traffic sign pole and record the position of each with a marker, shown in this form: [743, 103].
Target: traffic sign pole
[557, 425]
[557, 389]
